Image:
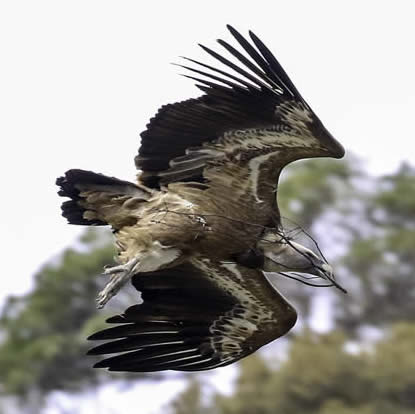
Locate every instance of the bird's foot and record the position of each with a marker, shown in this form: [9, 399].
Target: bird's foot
[119, 276]
[145, 261]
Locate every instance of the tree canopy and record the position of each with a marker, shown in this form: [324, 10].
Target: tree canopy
[321, 376]
[44, 332]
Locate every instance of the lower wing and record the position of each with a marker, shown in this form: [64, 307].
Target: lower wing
[196, 316]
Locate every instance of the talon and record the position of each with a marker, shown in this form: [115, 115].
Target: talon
[111, 289]
[119, 276]
[109, 270]
[145, 261]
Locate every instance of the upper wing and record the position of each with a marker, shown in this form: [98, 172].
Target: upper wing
[257, 110]
[195, 317]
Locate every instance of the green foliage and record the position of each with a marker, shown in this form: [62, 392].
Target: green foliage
[308, 188]
[397, 196]
[250, 396]
[393, 366]
[190, 400]
[320, 376]
[316, 371]
[45, 331]
[381, 257]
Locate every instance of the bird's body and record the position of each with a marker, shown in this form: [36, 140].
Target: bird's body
[205, 199]
[213, 221]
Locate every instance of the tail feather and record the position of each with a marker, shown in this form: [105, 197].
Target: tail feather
[74, 213]
[97, 200]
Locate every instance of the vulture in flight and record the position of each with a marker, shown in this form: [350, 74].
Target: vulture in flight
[201, 224]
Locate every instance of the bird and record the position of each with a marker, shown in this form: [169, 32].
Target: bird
[202, 314]
[200, 227]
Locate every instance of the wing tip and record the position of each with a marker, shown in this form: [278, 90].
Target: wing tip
[335, 149]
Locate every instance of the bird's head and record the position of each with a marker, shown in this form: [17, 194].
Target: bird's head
[284, 256]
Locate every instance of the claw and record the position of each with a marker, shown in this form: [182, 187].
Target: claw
[119, 276]
[112, 288]
[109, 270]
[144, 261]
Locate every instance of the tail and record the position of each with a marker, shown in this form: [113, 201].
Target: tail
[98, 200]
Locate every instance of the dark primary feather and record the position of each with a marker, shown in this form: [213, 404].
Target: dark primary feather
[236, 68]
[275, 68]
[261, 62]
[213, 69]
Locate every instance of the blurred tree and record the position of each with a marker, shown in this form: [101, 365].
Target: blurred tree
[320, 376]
[317, 370]
[250, 396]
[309, 188]
[190, 401]
[44, 332]
[381, 259]
[393, 366]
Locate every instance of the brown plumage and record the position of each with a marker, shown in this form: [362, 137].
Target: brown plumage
[205, 196]
[195, 316]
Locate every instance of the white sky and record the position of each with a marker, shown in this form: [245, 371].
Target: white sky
[80, 79]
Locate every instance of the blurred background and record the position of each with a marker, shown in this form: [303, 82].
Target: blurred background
[79, 81]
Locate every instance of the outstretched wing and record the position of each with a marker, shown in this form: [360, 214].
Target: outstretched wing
[195, 317]
[253, 111]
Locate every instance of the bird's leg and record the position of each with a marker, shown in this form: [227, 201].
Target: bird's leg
[119, 276]
[110, 270]
[148, 260]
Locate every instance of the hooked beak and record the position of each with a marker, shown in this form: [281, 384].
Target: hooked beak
[292, 260]
[325, 271]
